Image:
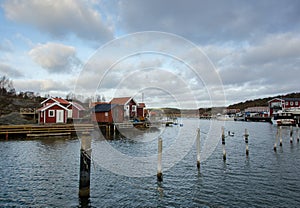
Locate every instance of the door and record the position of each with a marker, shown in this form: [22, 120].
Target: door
[59, 116]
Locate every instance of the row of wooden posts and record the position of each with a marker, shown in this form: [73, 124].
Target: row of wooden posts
[279, 136]
[85, 155]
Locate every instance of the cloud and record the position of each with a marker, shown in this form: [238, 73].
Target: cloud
[41, 86]
[268, 67]
[60, 18]
[10, 71]
[210, 21]
[55, 57]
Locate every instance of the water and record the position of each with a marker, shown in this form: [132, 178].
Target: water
[45, 173]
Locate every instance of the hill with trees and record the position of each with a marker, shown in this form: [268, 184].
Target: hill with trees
[261, 101]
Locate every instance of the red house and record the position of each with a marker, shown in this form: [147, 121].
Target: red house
[129, 104]
[108, 113]
[76, 110]
[58, 110]
[53, 113]
[277, 104]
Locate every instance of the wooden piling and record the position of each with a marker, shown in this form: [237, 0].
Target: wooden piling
[276, 140]
[223, 144]
[198, 148]
[6, 136]
[280, 136]
[291, 134]
[297, 132]
[85, 164]
[246, 141]
[159, 160]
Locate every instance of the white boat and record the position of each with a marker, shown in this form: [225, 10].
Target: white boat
[224, 118]
[286, 117]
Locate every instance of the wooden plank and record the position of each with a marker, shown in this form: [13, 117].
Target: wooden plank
[48, 134]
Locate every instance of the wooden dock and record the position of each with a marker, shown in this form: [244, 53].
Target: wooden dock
[31, 131]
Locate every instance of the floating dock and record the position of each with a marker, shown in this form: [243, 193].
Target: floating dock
[35, 131]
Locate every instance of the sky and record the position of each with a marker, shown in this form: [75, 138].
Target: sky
[167, 53]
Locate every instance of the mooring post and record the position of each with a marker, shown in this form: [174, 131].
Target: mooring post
[223, 143]
[159, 160]
[246, 141]
[280, 136]
[291, 134]
[85, 164]
[276, 140]
[297, 132]
[198, 148]
[6, 136]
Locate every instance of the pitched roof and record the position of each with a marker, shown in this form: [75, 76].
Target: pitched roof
[285, 99]
[120, 101]
[76, 105]
[96, 103]
[103, 107]
[49, 106]
[142, 105]
[291, 99]
[58, 100]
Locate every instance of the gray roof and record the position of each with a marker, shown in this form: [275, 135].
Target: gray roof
[103, 107]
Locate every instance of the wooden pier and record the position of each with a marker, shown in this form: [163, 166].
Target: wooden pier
[36, 131]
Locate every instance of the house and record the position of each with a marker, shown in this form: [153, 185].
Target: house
[52, 113]
[108, 113]
[277, 104]
[142, 112]
[129, 104]
[261, 111]
[58, 110]
[76, 110]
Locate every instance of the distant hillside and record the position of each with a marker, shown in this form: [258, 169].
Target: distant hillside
[261, 101]
[9, 104]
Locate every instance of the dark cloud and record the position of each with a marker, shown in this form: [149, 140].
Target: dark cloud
[211, 21]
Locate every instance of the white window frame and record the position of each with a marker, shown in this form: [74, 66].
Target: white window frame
[296, 103]
[133, 108]
[106, 114]
[287, 103]
[291, 103]
[70, 113]
[51, 113]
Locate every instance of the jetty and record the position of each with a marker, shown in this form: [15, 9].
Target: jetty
[38, 131]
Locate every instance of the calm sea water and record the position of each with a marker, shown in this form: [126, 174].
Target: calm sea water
[45, 172]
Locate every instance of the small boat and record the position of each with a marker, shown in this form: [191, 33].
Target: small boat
[286, 117]
[224, 118]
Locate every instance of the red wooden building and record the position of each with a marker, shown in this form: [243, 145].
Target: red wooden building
[58, 110]
[76, 110]
[277, 104]
[108, 113]
[129, 104]
[53, 113]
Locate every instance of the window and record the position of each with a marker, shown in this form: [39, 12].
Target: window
[70, 112]
[51, 113]
[291, 103]
[286, 103]
[106, 114]
[296, 103]
[134, 108]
